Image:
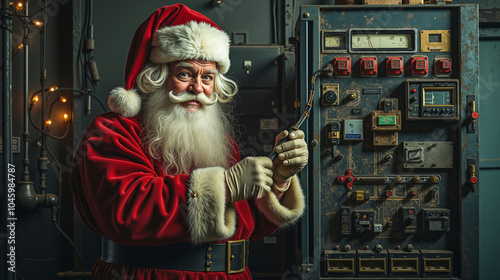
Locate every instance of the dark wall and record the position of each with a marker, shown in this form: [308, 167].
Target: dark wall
[41, 251]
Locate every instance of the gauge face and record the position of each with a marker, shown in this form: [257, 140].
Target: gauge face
[381, 41]
[334, 41]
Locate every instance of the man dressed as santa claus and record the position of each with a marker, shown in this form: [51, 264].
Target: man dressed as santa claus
[161, 179]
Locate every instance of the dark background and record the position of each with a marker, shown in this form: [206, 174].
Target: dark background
[260, 30]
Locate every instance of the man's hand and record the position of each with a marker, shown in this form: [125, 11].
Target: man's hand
[248, 177]
[292, 156]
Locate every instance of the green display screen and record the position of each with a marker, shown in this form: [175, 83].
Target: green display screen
[438, 97]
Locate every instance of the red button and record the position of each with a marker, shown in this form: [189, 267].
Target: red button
[473, 180]
[475, 115]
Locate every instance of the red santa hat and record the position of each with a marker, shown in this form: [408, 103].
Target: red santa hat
[171, 33]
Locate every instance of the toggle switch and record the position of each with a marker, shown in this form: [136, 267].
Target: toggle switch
[247, 64]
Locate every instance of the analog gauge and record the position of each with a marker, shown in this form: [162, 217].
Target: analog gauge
[380, 41]
[334, 41]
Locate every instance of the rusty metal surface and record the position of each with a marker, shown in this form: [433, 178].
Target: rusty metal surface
[321, 227]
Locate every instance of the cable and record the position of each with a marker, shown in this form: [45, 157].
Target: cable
[54, 220]
[42, 8]
[45, 132]
[307, 110]
[87, 93]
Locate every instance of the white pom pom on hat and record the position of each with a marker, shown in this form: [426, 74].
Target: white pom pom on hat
[125, 102]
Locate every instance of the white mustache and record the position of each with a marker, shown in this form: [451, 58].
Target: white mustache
[187, 96]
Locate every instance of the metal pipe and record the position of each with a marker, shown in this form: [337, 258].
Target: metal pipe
[26, 161]
[43, 159]
[6, 120]
[25, 192]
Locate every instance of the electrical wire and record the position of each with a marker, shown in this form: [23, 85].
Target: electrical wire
[54, 221]
[307, 109]
[19, 274]
[89, 93]
[45, 132]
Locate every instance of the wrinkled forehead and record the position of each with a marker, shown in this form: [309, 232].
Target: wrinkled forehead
[196, 65]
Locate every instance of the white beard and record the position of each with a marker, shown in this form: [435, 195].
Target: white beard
[184, 140]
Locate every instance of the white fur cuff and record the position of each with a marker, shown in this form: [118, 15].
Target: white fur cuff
[209, 217]
[289, 210]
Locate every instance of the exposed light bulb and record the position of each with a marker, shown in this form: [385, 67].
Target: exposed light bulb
[54, 88]
[63, 99]
[20, 47]
[48, 122]
[35, 98]
[66, 118]
[38, 23]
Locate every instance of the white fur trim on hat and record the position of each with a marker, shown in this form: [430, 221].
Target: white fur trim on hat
[124, 102]
[209, 217]
[194, 40]
[289, 210]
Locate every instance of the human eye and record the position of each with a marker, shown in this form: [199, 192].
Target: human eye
[208, 78]
[184, 76]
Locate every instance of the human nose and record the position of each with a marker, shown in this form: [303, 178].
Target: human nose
[195, 85]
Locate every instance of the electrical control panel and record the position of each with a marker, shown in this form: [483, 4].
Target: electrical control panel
[391, 183]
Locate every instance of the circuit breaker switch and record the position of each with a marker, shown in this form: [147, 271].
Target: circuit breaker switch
[419, 66]
[342, 67]
[442, 66]
[368, 66]
[394, 66]
[333, 133]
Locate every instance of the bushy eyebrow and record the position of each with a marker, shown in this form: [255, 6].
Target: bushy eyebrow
[191, 67]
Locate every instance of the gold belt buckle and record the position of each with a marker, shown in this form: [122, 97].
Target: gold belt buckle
[230, 256]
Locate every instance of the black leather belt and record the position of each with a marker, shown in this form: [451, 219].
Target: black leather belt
[231, 257]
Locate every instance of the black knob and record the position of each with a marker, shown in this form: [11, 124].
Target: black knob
[330, 96]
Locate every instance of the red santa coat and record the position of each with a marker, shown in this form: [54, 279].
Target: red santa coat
[122, 193]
